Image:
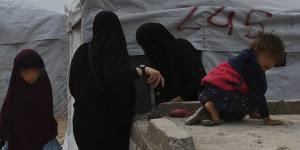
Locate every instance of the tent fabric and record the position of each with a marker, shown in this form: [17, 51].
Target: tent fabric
[20, 19]
[227, 35]
[213, 29]
[141, 6]
[75, 42]
[39, 26]
[73, 11]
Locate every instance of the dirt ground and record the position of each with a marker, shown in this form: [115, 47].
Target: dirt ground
[246, 135]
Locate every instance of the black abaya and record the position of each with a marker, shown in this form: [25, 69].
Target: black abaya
[104, 106]
[1, 143]
[175, 58]
[26, 118]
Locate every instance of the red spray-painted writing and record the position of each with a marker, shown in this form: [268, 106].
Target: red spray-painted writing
[249, 23]
[229, 24]
[187, 18]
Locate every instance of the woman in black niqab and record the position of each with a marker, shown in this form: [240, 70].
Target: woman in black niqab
[175, 58]
[102, 85]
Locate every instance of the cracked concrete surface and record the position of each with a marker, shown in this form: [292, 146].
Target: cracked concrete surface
[246, 135]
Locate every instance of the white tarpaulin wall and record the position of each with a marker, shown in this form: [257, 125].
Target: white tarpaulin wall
[218, 31]
[219, 28]
[29, 24]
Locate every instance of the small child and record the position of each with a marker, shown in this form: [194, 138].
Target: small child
[237, 87]
[26, 118]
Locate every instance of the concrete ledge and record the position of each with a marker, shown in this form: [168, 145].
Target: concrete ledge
[276, 107]
[139, 134]
[248, 134]
[170, 134]
[160, 134]
[284, 107]
[165, 108]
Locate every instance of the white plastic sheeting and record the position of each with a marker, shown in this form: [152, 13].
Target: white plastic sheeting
[40, 26]
[213, 28]
[219, 32]
[75, 41]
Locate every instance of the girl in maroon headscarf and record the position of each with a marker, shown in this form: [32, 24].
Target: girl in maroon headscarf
[26, 119]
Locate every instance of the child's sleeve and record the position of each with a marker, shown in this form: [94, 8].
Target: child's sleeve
[258, 99]
[257, 84]
[260, 103]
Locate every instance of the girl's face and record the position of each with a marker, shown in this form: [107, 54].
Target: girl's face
[265, 61]
[30, 75]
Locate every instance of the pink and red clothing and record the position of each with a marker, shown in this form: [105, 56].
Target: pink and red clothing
[226, 78]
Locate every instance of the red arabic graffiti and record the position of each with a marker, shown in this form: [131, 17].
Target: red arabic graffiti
[229, 24]
[187, 18]
[249, 23]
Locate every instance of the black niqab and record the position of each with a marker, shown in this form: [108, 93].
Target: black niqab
[104, 106]
[175, 58]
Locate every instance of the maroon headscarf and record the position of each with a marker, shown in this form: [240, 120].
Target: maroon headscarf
[26, 119]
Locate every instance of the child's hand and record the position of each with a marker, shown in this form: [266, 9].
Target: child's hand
[271, 122]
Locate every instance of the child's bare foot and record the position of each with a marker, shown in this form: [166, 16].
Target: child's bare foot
[215, 118]
[271, 122]
[212, 110]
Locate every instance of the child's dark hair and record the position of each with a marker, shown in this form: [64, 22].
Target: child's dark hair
[269, 43]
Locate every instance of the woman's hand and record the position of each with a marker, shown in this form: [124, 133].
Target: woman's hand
[271, 122]
[153, 76]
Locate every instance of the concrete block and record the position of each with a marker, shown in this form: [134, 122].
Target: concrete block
[276, 107]
[160, 134]
[168, 136]
[284, 107]
[139, 134]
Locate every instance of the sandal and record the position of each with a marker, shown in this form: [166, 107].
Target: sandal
[199, 115]
[211, 122]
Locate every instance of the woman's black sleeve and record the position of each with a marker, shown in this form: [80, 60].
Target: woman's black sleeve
[133, 74]
[193, 71]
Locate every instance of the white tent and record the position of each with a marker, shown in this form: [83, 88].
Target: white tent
[218, 43]
[39, 25]
[218, 28]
